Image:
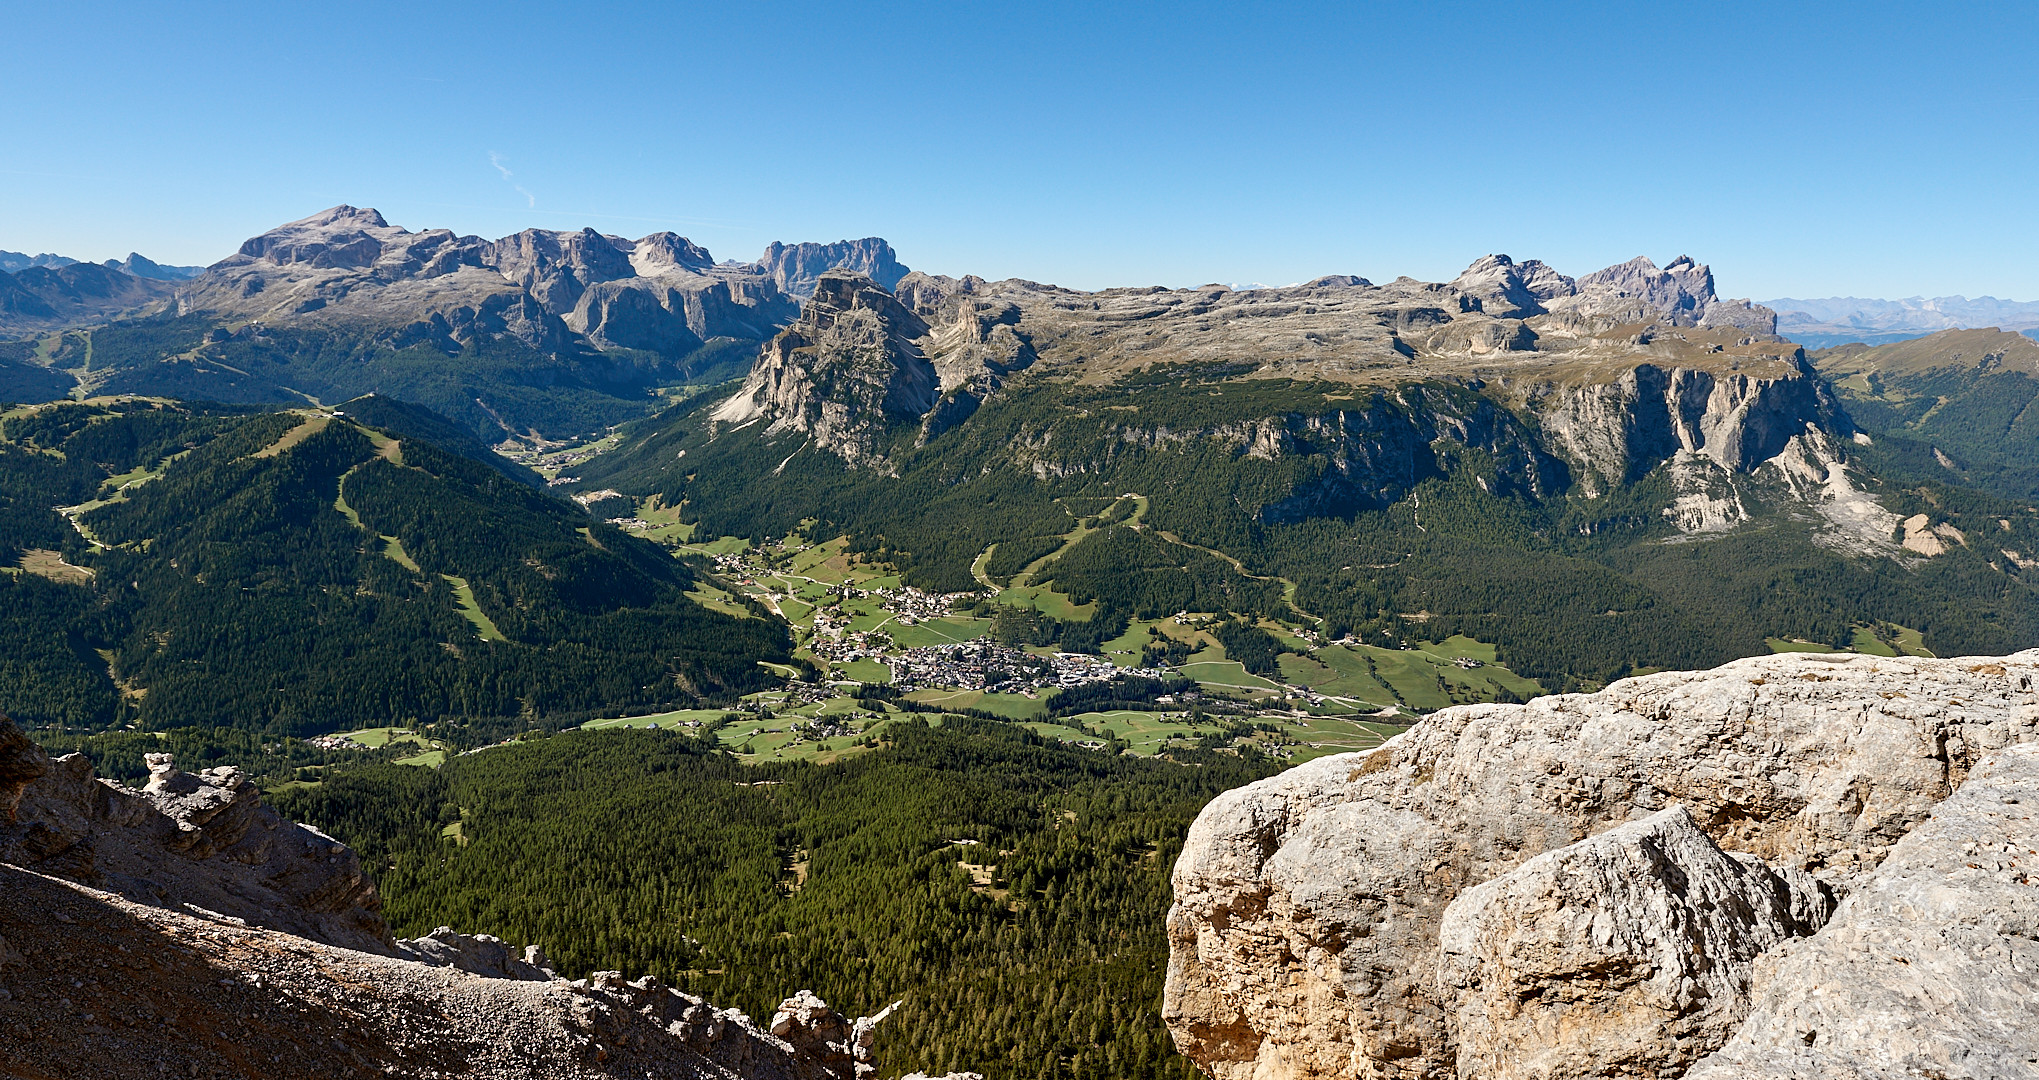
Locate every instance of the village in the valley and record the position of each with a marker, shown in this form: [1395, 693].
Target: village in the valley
[872, 651]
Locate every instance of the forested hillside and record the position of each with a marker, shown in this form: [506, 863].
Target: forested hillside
[298, 572]
[1010, 890]
[1963, 404]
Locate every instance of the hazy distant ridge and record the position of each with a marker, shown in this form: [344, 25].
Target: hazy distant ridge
[137, 264]
[1913, 313]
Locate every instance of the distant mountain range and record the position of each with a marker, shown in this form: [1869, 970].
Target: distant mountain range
[137, 264]
[539, 334]
[1838, 320]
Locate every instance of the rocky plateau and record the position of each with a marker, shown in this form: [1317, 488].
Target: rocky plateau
[1796, 865]
[1571, 385]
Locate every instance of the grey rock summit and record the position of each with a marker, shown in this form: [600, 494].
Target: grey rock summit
[550, 290]
[1626, 882]
[843, 373]
[797, 268]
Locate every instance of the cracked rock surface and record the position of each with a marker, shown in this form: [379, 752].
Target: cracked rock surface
[1307, 938]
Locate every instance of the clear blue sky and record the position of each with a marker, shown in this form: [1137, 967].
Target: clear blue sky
[1805, 150]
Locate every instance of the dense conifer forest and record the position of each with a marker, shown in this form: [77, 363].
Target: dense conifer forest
[1010, 890]
[298, 573]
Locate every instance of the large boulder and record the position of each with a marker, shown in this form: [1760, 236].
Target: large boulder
[1632, 948]
[1306, 932]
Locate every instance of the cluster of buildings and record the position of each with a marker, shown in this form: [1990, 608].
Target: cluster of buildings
[910, 605]
[986, 665]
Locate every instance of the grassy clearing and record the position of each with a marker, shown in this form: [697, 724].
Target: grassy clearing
[1413, 677]
[1907, 642]
[312, 425]
[430, 759]
[728, 545]
[1048, 602]
[865, 670]
[714, 599]
[1127, 649]
[1010, 706]
[678, 718]
[948, 630]
[383, 736]
[1224, 674]
[471, 610]
[1785, 645]
[50, 564]
[394, 549]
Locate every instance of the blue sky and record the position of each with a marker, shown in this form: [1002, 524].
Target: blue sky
[1804, 150]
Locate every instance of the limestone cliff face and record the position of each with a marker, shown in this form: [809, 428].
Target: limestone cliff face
[797, 268]
[1386, 915]
[842, 374]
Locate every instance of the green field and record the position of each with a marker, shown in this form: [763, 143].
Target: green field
[865, 670]
[1048, 602]
[383, 736]
[1909, 642]
[948, 630]
[1224, 674]
[430, 754]
[676, 719]
[1011, 706]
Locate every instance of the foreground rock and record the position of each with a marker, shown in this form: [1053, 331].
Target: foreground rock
[94, 985]
[1309, 934]
[1630, 949]
[186, 929]
[1931, 967]
[196, 842]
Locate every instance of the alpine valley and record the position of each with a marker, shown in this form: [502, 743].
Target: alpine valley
[815, 623]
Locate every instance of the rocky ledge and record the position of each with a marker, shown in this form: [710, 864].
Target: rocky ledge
[1789, 866]
[186, 929]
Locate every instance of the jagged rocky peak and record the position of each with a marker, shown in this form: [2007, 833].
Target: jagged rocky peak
[797, 268]
[666, 252]
[1680, 294]
[846, 371]
[1634, 882]
[143, 267]
[342, 236]
[1509, 289]
[555, 290]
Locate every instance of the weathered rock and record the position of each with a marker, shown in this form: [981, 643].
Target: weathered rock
[1619, 372]
[797, 268]
[560, 292]
[21, 763]
[1931, 965]
[122, 991]
[477, 954]
[1305, 931]
[202, 842]
[1507, 288]
[1629, 950]
[848, 369]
